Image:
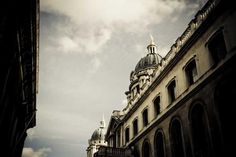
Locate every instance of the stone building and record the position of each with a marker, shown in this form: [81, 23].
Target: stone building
[19, 39]
[97, 139]
[182, 105]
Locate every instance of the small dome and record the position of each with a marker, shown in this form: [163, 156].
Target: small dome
[98, 134]
[149, 61]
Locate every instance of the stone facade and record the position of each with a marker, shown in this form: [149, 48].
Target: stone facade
[182, 106]
[19, 41]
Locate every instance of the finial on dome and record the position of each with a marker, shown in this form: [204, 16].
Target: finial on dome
[102, 122]
[152, 40]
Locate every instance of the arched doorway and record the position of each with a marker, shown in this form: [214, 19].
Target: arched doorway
[225, 102]
[146, 149]
[200, 134]
[159, 145]
[177, 143]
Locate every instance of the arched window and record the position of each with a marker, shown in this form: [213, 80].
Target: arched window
[157, 105]
[172, 91]
[177, 143]
[146, 149]
[145, 117]
[225, 102]
[126, 135]
[138, 89]
[135, 126]
[216, 46]
[136, 151]
[199, 132]
[159, 145]
[191, 72]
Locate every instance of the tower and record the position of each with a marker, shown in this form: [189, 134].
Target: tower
[97, 139]
[143, 72]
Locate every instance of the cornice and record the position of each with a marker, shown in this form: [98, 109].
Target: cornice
[196, 28]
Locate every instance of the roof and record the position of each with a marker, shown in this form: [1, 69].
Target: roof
[151, 60]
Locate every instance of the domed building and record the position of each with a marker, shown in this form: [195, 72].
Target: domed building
[97, 139]
[143, 73]
[151, 60]
[181, 105]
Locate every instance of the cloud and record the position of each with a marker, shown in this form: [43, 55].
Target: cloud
[92, 23]
[31, 134]
[67, 44]
[112, 11]
[65, 35]
[30, 152]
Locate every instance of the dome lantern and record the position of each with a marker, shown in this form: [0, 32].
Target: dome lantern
[102, 122]
[151, 60]
[152, 47]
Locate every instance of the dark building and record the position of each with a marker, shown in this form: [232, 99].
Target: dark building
[19, 47]
[182, 105]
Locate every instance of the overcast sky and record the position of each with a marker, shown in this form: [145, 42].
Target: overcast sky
[87, 50]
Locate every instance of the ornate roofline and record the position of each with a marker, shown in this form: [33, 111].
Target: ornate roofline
[180, 47]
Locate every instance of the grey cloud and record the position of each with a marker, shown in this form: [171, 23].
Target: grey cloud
[30, 152]
[66, 36]
[92, 24]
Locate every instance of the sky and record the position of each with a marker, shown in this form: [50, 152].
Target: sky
[87, 50]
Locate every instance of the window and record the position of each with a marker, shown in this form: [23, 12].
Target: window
[145, 117]
[126, 135]
[217, 48]
[138, 89]
[199, 131]
[172, 91]
[225, 102]
[157, 105]
[159, 145]
[118, 138]
[191, 72]
[135, 127]
[146, 149]
[176, 139]
[114, 141]
[136, 151]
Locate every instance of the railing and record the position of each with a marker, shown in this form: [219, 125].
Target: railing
[104, 151]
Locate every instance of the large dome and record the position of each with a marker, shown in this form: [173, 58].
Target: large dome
[99, 134]
[149, 61]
